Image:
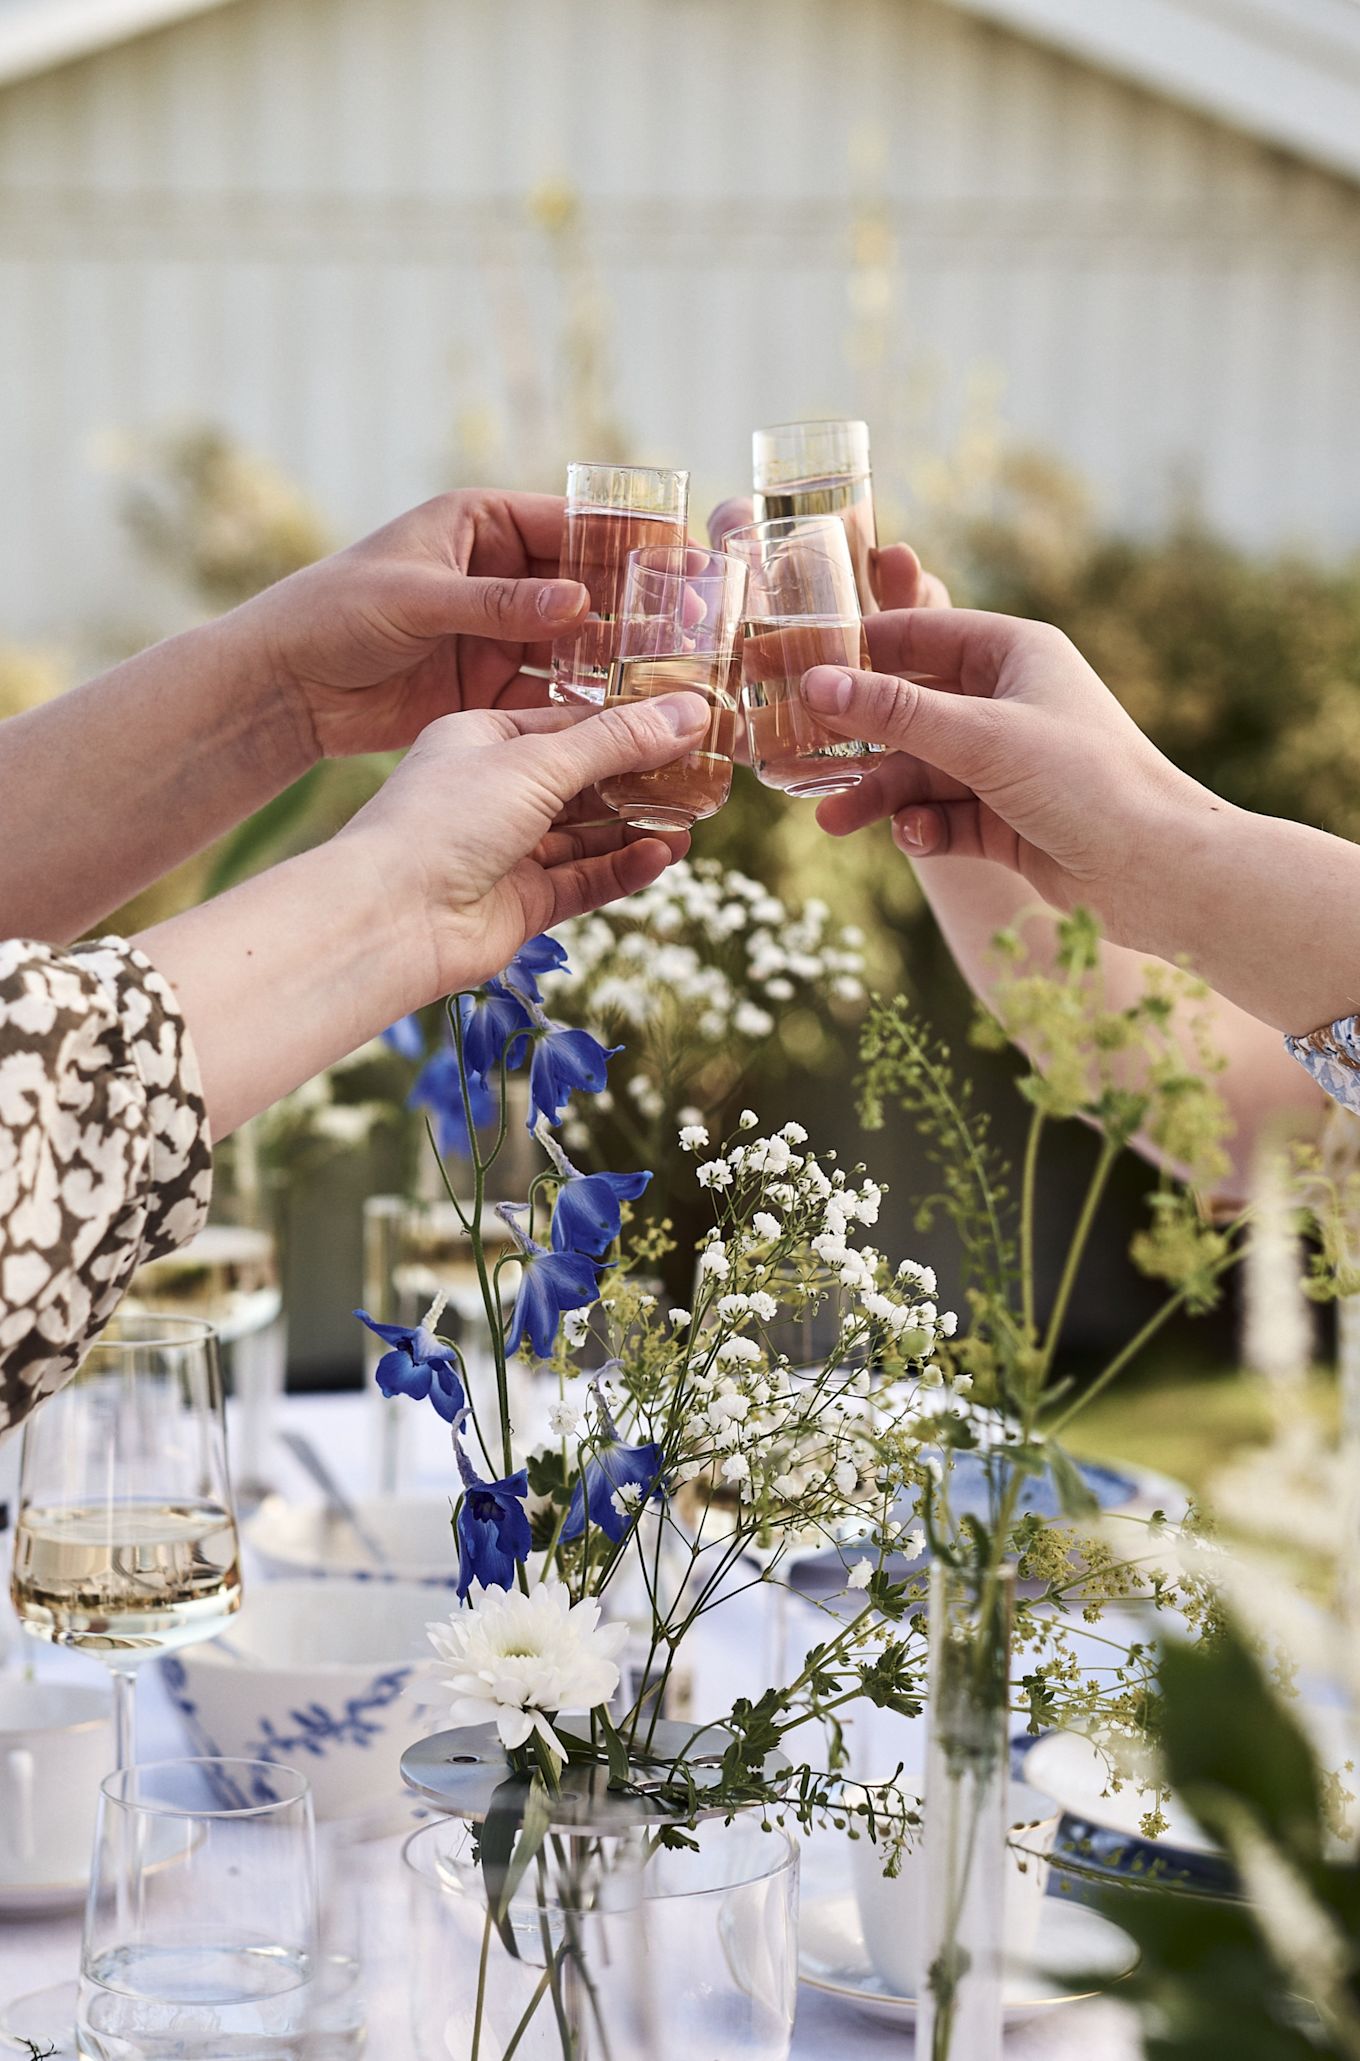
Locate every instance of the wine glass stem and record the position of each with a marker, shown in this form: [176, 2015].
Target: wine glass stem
[124, 1716]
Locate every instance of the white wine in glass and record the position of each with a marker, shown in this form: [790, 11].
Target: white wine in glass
[125, 1544]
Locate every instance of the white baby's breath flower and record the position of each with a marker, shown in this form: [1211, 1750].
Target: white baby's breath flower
[736, 1467]
[516, 1661]
[740, 1349]
[564, 1419]
[748, 1120]
[786, 1488]
[575, 1327]
[763, 1305]
[751, 1021]
[693, 1137]
[730, 1306]
[780, 990]
[765, 1226]
[914, 1544]
[846, 1477]
[680, 1318]
[949, 1323]
[626, 1498]
[794, 1134]
[714, 1173]
[860, 1575]
[714, 1260]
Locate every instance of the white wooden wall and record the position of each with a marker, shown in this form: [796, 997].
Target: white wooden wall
[310, 221]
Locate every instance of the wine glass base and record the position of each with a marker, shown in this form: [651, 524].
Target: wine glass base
[42, 2023]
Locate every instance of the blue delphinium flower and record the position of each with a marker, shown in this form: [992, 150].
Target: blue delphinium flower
[492, 1527]
[541, 954]
[494, 1022]
[438, 1089]
[406, 1037]
[418, 1365]
[565, 1062]
[635, 1474]
[586, 1214]
[549, 1284]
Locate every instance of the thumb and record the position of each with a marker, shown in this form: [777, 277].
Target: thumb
[515, 611]
[634, 737]
[955, 733]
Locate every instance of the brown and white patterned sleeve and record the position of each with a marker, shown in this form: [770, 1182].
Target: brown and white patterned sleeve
[105, 1157]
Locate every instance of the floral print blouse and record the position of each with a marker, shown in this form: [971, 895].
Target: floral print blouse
[1332, 1057]
[105, 1158]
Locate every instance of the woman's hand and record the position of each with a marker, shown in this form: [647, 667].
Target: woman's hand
[491, 825]
[440, 610]
[486, 834]
[1007, 746]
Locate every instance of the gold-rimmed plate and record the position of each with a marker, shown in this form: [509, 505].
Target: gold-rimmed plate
[833, 1958]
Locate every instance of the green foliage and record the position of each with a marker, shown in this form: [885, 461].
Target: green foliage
[1277, 1975]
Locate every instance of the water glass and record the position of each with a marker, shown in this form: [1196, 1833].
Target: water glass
[612, 510]
[820, 468]
[802, 610]
[681, 621]
[201, 1925]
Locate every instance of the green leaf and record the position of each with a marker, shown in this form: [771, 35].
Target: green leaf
[1226, 1732]
[260, 836]
[620, 1767]
[516, 1824]
[1074, 1497]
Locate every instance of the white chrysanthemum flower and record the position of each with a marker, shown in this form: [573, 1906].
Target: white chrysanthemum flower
[515, 1661]
[860, 1575]
[693, 1137]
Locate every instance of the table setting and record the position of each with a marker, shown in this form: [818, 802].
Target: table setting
[692, 1641]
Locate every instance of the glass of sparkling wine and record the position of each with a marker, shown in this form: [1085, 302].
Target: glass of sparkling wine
[612, 510]
[802, 610]
[820, 468]
[679, 630]
[201, 1922]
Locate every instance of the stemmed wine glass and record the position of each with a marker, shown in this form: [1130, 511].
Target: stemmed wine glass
[125, 1545]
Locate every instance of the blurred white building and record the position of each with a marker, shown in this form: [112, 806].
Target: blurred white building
[394, 242]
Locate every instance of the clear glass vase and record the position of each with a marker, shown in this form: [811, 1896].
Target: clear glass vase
[966, 1813]
[611, 1947]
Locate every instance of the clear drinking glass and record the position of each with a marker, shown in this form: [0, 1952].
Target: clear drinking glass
[801, 610]
[413, 1253]
[612, 510]
[679, 629]
[126, 1542]
[201, 1923]
[230, 1276]
[820, 468]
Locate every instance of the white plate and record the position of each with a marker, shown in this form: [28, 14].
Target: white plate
[300, 1538]
[49, 1899]
[1076, 1774]
[832, 1958]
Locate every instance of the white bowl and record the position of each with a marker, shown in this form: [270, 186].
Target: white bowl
[416, 1533]
[321, 1677]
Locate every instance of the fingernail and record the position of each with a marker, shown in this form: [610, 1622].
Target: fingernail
[827, 689]
[559, 600]
[910, 833]
[682, 713]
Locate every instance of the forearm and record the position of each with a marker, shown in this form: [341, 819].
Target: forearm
[1267, 911]
[289, 972]
[111, 785]
[1262, 1086]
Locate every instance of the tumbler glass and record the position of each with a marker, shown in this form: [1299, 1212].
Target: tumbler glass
[612, 510]
[802, 610]
[679, 629]
[820, 468]
[201, 1924]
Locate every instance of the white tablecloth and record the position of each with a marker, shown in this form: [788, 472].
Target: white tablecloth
[37, 1951]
